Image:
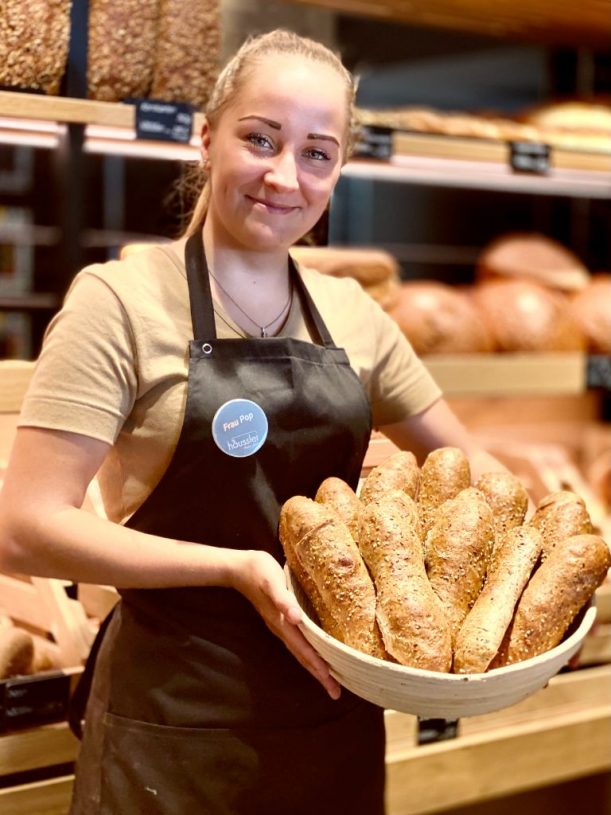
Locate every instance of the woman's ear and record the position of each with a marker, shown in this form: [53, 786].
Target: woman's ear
[205, 145]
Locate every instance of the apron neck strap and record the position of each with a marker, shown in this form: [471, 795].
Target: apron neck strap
[200, 296]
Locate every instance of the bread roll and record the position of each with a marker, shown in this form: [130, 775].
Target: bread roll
[376, 270]
[34, 40]
[343, 500]
[328, 565]
[16, 652]
[534, 257]
[560, 515]
[482, 632]
[444, 474]
[557, 591]
[458, 548]
[122, 43]
[409, 614]
[439, 319]
[524, 316]
[507, 499]
[187, 56]
[399, 471]
[591, 310]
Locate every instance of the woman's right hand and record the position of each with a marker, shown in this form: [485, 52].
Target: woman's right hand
[259, 577]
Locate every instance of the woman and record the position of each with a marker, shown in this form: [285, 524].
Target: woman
[206, 382]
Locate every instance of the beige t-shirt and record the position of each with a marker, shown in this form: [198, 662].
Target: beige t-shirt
[115, 360]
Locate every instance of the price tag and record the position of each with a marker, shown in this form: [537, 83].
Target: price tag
[164, 121]
[529, 157]
[599, 372]
[373, 142]
[29, 700]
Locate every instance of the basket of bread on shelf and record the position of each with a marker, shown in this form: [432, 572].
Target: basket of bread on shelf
[434, 594]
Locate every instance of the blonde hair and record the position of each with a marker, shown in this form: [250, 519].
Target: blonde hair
[237, 70]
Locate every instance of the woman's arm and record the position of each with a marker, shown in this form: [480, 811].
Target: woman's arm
[438, 426]
[43, 531]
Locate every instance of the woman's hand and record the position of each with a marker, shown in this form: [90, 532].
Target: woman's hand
[259, 577]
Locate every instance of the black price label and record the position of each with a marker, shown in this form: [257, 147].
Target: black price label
[373, 142]
[599, 372]
[29, 700]
[529, 157]
[164, 121]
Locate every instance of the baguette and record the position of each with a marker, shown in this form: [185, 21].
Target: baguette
[342, 499]
[410, 616]
[558, 590]
[399, 471]
[507, 499]
[483, 630]
[560, 515]
[458, 548]
[328, 565]
[445, 473]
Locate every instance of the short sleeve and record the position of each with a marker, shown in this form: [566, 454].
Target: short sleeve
[85, 379]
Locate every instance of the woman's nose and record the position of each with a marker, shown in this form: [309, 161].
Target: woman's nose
[283, 172]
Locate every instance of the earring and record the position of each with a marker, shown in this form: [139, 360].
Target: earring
[206, 165]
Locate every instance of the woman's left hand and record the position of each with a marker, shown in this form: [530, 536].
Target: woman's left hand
[259, 577]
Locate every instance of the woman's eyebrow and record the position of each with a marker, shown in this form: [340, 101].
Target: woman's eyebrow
[278, 126]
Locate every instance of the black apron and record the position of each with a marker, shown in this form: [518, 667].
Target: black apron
[207, 711]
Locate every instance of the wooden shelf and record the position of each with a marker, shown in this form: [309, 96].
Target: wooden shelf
[588, 24]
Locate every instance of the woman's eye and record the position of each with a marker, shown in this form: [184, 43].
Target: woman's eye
[317, 154]
[259, 140]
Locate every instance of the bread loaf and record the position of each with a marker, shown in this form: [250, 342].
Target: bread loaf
[376, 270]
[507, 499]
[187, 55]
[122, 43]
[529, 255]
[16, 652]
[458, 548]
[343, 500]
[322, 554]
[557, 591]
[414, 629]
[439, 319]
[482, 632]
[591, 310]
[399, 471]
[34, 40]
[444, 474]
[526, 316]
[560, 515]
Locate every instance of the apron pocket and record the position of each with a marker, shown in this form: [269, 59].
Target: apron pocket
[336, 768]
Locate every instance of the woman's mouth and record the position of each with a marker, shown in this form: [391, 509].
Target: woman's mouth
[272, 207]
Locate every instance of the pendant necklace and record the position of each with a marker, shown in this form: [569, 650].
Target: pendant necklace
[262, 328]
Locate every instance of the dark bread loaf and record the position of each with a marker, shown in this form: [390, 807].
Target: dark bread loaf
[560, 515]
[323, 556]
[445, 472]
[340, 496]
[410, 616]
[399, 471]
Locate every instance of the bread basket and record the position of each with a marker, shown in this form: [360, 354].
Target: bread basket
[430, 694]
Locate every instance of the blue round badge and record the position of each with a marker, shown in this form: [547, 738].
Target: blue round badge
[239, 428]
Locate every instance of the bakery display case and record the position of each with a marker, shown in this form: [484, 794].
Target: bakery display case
[560, 734]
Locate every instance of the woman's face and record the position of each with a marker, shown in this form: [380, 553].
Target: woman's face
[276, 153]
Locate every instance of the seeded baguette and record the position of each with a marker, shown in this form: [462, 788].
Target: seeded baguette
[482, 632]
[399, 471]
[337, 494]
[561, 515]
[558, 590]
[322, 553]
[458, 549]
[444, 474]
[507, 499]
[410, 616]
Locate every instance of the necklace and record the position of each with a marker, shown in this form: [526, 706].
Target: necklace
[262, 328]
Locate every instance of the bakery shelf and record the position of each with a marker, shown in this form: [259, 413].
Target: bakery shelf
[509, 374]
[483, 175]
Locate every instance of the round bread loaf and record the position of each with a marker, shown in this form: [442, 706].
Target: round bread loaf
[591, 310]
[534, 257]
[526, 316]
[439, 319]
